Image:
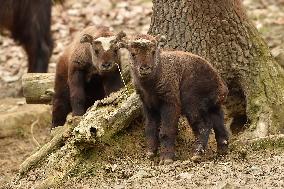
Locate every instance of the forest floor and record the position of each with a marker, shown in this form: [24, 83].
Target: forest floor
[23, 126]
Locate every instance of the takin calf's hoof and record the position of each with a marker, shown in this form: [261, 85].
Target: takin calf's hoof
[223, 148]
[150, 154]
[166, 158]
[166, 161]
[196, 158]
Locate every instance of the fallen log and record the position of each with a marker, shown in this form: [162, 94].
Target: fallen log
[38, 87]
[63, 153]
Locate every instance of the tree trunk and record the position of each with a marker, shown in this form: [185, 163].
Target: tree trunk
[221, 32]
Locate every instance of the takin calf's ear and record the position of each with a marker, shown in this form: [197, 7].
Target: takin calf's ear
[120, 35]
[161, 40]
[119, 41]
[86, 38]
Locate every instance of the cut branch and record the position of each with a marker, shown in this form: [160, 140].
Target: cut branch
[38, 87]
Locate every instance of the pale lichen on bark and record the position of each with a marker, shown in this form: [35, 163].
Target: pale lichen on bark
[103, 123]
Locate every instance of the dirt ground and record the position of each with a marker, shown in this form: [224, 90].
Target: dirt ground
[23, 126]
[124, 165]
[22, 129]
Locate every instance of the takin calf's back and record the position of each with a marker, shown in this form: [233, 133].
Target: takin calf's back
[171, 83]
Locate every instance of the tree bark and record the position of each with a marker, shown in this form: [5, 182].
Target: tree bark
[38, 87]
[221, 32]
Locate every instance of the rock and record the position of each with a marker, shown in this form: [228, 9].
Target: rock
[17, 117]
[121, 186]
[140, 174]
[185, 175]
[228, 186]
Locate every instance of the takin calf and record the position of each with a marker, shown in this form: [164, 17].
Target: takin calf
[29, 23]
[171, 83]
[87, 71]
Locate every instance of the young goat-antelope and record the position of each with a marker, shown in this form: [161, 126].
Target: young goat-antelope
[171, 83]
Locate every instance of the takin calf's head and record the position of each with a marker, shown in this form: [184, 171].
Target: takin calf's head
[145, 52]
[105, 55]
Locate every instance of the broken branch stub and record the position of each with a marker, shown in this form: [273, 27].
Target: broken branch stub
[108, 116]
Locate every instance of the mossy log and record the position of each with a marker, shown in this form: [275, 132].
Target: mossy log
[56, 159]
[60, 158]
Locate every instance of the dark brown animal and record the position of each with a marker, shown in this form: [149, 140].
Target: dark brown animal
[86, 71]
[171, 83]
[29, 23]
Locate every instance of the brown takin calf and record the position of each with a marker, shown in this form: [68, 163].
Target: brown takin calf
[29, 23]
[171, 83]
[88, 70]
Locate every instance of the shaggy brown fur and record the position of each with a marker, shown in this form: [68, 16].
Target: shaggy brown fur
[29, 22]
[84, 75]
[171, 83]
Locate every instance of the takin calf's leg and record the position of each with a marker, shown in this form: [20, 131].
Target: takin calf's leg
[61, 102]
[216, 117]
[77, 93]
[152, 119]
[168, 132]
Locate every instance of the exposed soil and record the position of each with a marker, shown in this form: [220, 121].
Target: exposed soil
[124, 165]
[22, 129]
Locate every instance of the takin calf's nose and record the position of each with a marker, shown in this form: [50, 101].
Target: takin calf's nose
[107, 65]
[145, 69]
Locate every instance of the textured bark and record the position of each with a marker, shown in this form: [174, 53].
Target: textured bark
[220, 32]
[38, 87]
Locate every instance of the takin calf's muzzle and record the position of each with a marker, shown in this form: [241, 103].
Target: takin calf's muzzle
[145, 70]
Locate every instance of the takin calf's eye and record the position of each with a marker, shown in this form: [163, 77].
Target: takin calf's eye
[97, 52]
[133, 54]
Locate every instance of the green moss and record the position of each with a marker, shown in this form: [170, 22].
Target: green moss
[265, 92]
[267, 144]
[264, 30]
[242, 147]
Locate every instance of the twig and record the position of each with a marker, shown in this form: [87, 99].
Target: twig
[32, 132]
